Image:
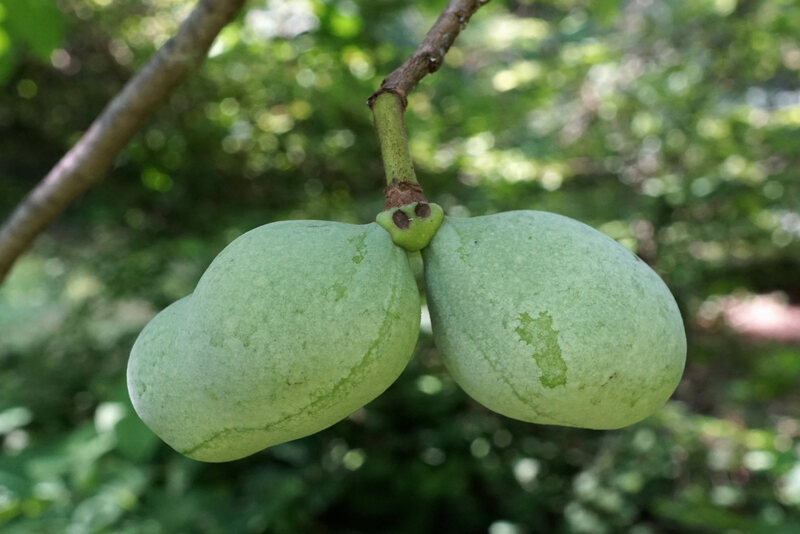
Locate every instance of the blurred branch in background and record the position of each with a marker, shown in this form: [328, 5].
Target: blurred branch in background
[89, 159]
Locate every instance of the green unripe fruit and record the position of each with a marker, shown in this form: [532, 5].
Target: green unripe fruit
[544, 319]
[293, 326]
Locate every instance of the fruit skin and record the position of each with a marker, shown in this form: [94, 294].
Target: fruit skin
[292, 327]
[544, 319]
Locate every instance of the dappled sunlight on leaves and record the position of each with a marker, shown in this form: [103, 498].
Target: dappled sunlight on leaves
[670, 126]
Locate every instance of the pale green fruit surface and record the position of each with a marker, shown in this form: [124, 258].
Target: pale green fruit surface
[544, 319]
[293, 326]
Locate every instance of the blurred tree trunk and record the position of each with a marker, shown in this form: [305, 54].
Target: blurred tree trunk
[93, 154]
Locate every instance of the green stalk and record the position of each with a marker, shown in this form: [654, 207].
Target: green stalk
[387, 110]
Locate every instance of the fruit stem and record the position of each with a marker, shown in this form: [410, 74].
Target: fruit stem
[387, 110]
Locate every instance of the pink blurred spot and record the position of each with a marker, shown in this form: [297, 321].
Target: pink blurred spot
[763, 317]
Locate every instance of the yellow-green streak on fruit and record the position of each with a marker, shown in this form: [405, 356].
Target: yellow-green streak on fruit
[293, 326]
[539, 333]
[544, 319]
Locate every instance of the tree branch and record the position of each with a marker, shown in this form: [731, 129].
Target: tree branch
[94, 153]
[402, 187]
[429, 55]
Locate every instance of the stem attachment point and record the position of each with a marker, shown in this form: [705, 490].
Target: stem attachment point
[413, 225]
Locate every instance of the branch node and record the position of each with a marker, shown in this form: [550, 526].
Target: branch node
[429, 55]
[374, 96]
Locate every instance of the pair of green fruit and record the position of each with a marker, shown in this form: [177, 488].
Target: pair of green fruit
[297, 324]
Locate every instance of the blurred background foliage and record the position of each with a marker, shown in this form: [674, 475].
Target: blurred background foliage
[672, 126]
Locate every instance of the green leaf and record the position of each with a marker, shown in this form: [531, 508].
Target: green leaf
[605, 11]
[6, 57]
[134, 439]
[37, 23]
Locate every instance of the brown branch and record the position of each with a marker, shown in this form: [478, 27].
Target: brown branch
[402, 185]
[429, 55]
[94, 153]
